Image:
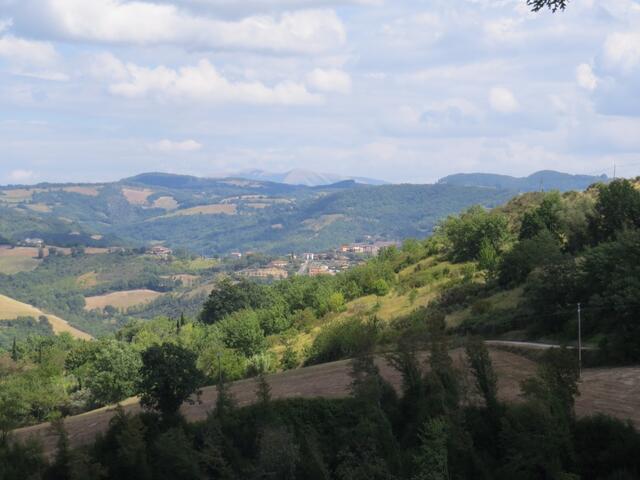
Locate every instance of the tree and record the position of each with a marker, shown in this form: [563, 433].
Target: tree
[545, 217]
[14, 350]
[61, 467]
[229, 297]
[468, 232]
[263, 390]
[168, 378]
[174, 457]
[112, 372]
[488, 260]
[553, 5]
[485, 377]
[366, 384]
[527, 255]
[432, 458]
[242, 331]
[617, 208]
[279, 454]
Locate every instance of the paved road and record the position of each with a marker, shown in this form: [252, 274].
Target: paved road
[533, 345]
[304, 268]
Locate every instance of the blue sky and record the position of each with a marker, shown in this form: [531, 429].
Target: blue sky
[403, 90]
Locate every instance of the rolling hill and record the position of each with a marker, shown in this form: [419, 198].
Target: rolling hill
[215, 216]
[543, 180]
[11, 309]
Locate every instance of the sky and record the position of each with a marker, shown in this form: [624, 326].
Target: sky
[401, 90]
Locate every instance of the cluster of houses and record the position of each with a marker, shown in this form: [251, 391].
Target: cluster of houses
[314, 264]
[32, 242]
[367, 248]
[160, 252]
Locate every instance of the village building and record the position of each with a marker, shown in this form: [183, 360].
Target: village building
[160, 251]
[276, 273]
[320, 269]
[33, 242]
[278, 264]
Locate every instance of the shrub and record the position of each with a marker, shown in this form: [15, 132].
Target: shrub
[344, 339]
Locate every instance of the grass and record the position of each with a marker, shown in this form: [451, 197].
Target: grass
[19, 259]
[39, 207]
[195, 265]
[317, 224]
[400, 302]
[87, 280]
[508, 299]
[88, 191]
[11, 309]
[121, 300]
[215, 209]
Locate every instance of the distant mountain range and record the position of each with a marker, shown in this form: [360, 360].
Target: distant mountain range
[542, 180]
[304, 177]
[312, 212]
[219, 215]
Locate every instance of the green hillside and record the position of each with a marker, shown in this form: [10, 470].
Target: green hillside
[215, 216]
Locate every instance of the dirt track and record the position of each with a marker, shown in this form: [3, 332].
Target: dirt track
[611, 391]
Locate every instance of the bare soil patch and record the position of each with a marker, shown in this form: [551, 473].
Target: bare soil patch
[168, 203]
[137, 196]
[121, 300]
[216, 209]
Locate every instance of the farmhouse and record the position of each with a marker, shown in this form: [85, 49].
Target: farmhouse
[279, 264]
[32, 242]
[160, 251]
[320, 269]
[366, 248]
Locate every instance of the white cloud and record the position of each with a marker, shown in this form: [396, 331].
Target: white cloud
[203, 82]
[168, 146]
[145, 23]
[31, 58]
[622, 50]
[20, 176]
[505, 30]
[586, 78]
[503, 100]
[335, 81]
[29, 52]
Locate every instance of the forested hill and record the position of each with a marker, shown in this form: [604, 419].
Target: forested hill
[545, 180]
[214, 216]
[515, 272]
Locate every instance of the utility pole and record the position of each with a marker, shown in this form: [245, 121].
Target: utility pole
[579, 342]
[219, 368]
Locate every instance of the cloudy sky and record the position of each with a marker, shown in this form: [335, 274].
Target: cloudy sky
[403, 90]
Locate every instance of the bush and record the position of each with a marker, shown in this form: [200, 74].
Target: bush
[344, 339]
[242, 331]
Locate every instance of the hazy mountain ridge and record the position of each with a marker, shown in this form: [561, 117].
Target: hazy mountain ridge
[305, 177]
[217, 215]
[542, 180]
